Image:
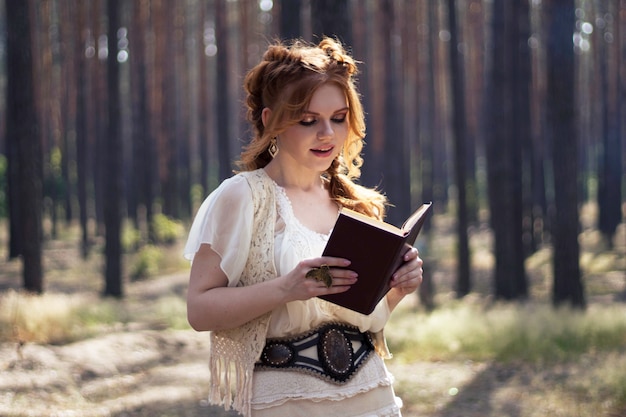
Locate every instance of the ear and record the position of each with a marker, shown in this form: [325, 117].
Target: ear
[265, 115]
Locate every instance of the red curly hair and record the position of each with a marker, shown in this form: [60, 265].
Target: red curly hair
[284, 81]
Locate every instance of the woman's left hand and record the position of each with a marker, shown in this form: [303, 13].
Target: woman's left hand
[407, 278]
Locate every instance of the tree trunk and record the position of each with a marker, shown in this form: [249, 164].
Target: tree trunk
[223, 94]
[332, 18]
[141, 183]
[522, 134]
[438, 93]
[473, 32]
[459, 124]
[82, 142]
[610, 165]
[169, 150]
[113, 158]
[68, 14]
[396, 172]
[98, 112]
[23, 135]
[206, 120]
[290, 24]
[561, 118]
[425, 113]
[538, 148]
[504, 154]
[371, 88]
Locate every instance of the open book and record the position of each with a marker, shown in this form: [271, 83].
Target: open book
[375, 249]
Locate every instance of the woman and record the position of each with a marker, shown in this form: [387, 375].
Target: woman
[276, 348]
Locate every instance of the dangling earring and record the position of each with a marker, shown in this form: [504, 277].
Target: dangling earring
[273, 148]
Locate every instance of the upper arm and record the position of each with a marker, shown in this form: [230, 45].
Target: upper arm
[206, 272]
[221, 233]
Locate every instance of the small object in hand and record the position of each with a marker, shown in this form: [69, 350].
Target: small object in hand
[321, 274]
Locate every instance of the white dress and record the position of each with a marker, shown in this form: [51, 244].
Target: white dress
[225, 221]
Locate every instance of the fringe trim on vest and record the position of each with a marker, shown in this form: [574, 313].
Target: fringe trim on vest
[233, 352]
[221, 390]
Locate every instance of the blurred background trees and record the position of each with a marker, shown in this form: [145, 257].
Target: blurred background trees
[508, 113]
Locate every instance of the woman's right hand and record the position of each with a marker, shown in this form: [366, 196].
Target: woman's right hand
[297, 286]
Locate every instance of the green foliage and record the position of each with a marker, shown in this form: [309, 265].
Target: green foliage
[146, 263]
[131, 237]
[172, 311]
[55, 161]
[197, 195]
[166, 230]
[54, 184]
[102, 313]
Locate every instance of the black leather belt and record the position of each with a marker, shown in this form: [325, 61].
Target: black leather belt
[333, 352]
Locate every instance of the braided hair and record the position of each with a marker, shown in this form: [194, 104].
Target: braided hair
[284, 81]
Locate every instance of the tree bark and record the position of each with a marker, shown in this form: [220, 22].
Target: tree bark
[610, 164]
[113, 165]
[82, 133]
[504, 154]
[459, 125]
[223, 94]
[290, 24]
[332, 18]
[568, 287]
[396, 172]
[23, 135]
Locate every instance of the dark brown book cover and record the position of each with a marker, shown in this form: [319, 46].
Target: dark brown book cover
[375, 250]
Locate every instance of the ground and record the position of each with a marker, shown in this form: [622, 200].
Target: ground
[137, 371]
[145, 369]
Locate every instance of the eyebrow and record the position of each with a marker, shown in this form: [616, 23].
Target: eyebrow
[336, 111]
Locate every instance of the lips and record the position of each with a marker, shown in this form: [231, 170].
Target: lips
[323, 151]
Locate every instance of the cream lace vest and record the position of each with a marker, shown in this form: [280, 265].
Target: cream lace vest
[233, 352]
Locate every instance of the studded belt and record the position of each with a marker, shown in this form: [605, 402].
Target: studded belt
[333, 352]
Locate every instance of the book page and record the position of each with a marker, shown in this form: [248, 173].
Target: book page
[373, 222]
[410, 222]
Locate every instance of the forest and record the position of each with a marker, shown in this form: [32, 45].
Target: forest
[505, 113]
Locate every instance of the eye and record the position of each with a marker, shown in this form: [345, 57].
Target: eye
[308, 121]
[339, 118]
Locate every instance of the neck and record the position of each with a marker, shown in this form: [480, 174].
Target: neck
[294, 179]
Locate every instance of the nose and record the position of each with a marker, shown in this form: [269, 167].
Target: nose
[326, 131]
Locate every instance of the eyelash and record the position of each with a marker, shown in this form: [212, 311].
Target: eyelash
[340, 119]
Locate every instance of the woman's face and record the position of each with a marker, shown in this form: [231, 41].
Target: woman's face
[318, 137]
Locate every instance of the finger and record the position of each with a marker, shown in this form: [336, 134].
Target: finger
[407, 274]
[409, 285]
[407, 268]
[332, 277]
[411, 254]
[343, 281]
[332, 261]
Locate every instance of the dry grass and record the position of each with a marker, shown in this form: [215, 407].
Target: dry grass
[510, 360]
[531, 332]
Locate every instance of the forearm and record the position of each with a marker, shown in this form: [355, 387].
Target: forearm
[394, 296]
[222, 308]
